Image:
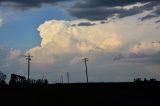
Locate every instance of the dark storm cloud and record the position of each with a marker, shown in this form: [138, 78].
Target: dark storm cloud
[146, 56]
[149, 58]
[148, 17]
[152, 55]
[102, 9]
[26, 4]
[91, 9]
[118, 57]
[158, 21]
[139, 57]
[86, 24]
[155, 13]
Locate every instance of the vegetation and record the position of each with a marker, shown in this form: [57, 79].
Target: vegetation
[22, 91]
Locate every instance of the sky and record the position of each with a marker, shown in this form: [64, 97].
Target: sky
[119, 37]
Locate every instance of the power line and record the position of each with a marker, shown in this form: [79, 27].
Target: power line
[28, 58]
[85, 61]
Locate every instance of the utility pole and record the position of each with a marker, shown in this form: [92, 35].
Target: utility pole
[28, 58]
[68, 77]
[85, 61]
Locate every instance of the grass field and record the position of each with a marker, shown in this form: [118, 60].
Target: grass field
[108, 94]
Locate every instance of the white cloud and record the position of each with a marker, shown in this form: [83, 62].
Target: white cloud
[147, 48]
[131, 6]
[61, 38]
[10, 61]
[9, 54]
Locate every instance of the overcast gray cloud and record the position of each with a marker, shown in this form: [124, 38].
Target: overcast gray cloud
[118, 57]
[11, 61]
[4, 53]
[148, 17]
[93, 9]
[8, 57]
[108, 3]
[148, 52]
[145, 58]
[102, 9]
[142, 52]
[26, 4]
[157, 21]
[84, 24]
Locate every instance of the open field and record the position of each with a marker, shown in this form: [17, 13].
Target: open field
[126, 94]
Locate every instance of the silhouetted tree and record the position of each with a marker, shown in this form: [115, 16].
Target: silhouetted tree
[2, 78]
[42, 82]
[153, 80]
[45, 81]
[145, 80]
[3, 83]
[137, 80]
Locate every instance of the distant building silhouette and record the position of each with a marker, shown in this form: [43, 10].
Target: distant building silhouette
[145, 80]
[21, 80]
[17, 79]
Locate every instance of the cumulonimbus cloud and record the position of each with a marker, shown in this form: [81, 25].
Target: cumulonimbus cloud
[61, 38]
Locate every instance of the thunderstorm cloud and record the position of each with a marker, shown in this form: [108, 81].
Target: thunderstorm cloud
[130, 42]
[61, 37]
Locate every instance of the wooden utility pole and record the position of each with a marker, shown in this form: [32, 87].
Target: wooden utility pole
[28, 58]
[85, 61]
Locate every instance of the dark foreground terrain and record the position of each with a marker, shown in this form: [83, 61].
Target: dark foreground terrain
[108, 94]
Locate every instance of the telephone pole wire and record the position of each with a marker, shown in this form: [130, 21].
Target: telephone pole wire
[85, 61]
[28, 58]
